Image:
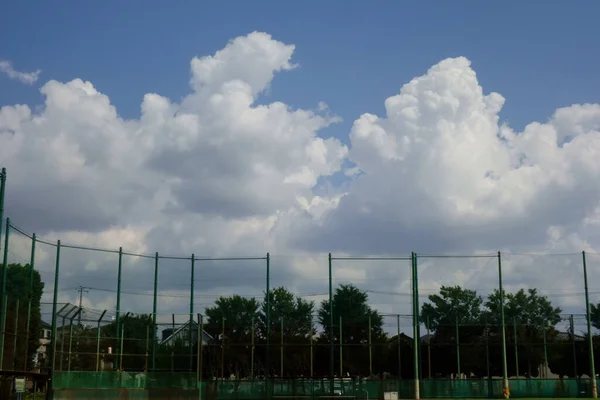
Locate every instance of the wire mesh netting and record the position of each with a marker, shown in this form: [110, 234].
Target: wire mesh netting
[458, 334]
[371, 323]
[545, 315]
[149, 321]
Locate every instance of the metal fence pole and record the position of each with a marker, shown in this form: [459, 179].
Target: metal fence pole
[147, 345]
[71, 337]
[341, 349]
[54, 301]
[173, 343]
[545, 350]
[2, 193]
[154, 312]
[457, 346]
[16, 333]
[370, 348]
[415, 285]
[281, 353]
[3, 322]
[428, 349]
[311, 348]
[516, 347]
[121, 352]
[223, 349]
[3, 295]
[589, 330]
[190, 349]
[98, 331]
[252, 351]
[200, 345]
[62, 337]
[572, 328]
[399, 347]
[502, 326]
[331, 361]
[118, 311]
[30, 295]
[268, 323]
[420, 344]
[3, 287]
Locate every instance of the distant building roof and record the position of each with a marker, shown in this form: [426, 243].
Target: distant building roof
[206, 338]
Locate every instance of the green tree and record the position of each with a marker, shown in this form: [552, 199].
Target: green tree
[230, 322]
[351, 304]
[532, 313]
[595, 315]
[295, 315]
[17, 286]
[135, 343]
[453, 310]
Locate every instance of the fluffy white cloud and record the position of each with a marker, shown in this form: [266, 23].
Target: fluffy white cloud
[28, 78]
[218, 174]
[440, 171]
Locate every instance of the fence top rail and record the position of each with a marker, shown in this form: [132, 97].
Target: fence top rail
[372, 258]
[456, 255]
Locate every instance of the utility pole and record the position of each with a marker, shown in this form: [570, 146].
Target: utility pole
[81, 289]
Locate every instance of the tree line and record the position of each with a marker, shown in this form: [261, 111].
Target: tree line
[19, 354]
[300, 343]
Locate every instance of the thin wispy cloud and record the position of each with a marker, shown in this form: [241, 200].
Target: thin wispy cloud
[28, 78]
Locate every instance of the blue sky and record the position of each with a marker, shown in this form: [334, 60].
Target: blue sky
[169, 184]
[540, 55]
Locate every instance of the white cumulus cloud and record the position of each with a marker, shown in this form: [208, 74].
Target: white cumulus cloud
[220, 174]
[28, 78]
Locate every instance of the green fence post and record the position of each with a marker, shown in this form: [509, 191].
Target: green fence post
[572, 329]
[62, 337]
[71, 337]
[2, 192]
[30, 296]
[98, 341]
[199, 357]
[191, 353]
[341, 349]
[415, 285]
[173, 344]
[331, 361]
[16, 333]
[118, 311]
[154, 312]
[3, 323]
[52, 357]
[3, 295]
[419, 347]
[121, 351]
[457, 345]
[516, 346]
[545, 349]
[487, 352]
[428, 349]
[252, 351]
[223, 349]
[147, 347]
[589, 329]
[281, 354]
[399, 347]
[268, 320]
[503, 328]
[311, 348]
[370, 349]
[200, 346]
